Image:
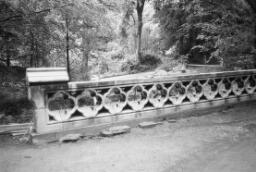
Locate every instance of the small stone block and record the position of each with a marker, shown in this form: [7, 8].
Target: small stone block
[172, 121]
[106, 133]
[70, 138]
[38, 142]
[115, 131]
[148, 124]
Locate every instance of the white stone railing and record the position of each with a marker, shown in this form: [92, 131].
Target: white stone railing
[73, 105]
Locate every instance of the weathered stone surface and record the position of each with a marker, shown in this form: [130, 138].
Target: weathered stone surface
[160, 73]
[70, 138]
[250, 127]
[148, 124]
[46, 75]
[79, 105]
[172, 121]
[106, 133]
[115, 130]
[25, 139]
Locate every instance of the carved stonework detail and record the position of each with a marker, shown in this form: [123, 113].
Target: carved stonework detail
[137, 97]
[194, 91]
[68, 105]
[238, 86]
[250, 84]
[115, 100]
[89, 103]
[158, 95]
[225, 87]
[210, 89]
[177, 93]
[61, 106]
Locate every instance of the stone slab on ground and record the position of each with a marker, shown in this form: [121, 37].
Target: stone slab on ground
[115, 131]
[172, 121]
[15, 127]
[70, 138]
[148, 124]
[250, 127]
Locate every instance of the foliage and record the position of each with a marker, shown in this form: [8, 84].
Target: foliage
[148, 62]
[77, 33]
[23, 33]
[18, 110]
[209, 31]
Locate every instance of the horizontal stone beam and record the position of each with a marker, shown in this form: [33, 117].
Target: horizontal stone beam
[180, 77]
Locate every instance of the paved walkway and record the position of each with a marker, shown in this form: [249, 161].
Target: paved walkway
[222, 141]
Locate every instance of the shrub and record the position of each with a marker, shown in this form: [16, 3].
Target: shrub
[103, 68]
[128, 66]
[117, 55]
[20, 110]
[150, 60]
[147, 62]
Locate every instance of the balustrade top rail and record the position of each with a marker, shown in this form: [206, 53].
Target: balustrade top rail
[164, 78]
[37, 76]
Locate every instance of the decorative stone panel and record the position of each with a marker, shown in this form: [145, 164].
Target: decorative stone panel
[210, 89]
[177, 93]
[61, 106]
[86, 102]
[158, 95]
[89, 103]
[137, 97]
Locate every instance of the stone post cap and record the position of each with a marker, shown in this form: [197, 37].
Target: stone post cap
[40, 76]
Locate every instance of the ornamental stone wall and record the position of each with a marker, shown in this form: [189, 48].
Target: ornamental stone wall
[63, 105]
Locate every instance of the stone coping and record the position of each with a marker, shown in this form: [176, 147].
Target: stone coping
[38, 76]
[180, 77]
[203, 65]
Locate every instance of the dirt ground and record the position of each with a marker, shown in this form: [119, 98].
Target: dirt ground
[223, 141]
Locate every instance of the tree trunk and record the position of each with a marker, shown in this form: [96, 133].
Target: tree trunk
[252, 3]
[31, 63]
[36, 55]
[85, 65]
[8, 61]
[67, 46]
[140, 6]
[67, 52]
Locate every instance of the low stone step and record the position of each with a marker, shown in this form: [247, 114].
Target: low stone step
[172, 121]
[70, 138]
[115, 130]
[149, 124]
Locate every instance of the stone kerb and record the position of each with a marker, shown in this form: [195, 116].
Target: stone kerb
[63, 105]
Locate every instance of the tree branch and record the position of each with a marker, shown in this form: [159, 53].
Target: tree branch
[20, 16]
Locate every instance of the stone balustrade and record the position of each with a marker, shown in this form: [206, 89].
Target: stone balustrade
[63, 105]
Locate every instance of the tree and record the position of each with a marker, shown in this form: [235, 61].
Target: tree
[10, 31]
[252, 4]
[83, 26]
[130, 8]
[24, 31]
[139, 8]
[209, 29]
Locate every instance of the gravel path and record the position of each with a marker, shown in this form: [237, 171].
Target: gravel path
[220, 141]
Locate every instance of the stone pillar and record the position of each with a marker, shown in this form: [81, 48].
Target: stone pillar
[38, 81]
